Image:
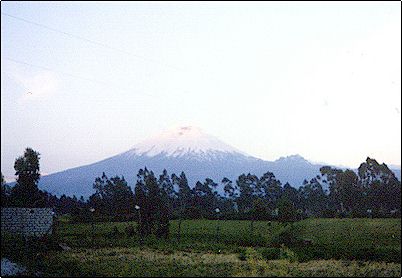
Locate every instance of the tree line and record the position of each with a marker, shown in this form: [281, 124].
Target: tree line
[374, 191]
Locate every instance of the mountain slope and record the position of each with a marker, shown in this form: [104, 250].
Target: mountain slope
[186, 149]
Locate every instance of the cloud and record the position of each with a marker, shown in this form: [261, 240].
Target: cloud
[39, 86]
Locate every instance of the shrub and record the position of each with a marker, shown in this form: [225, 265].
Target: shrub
[250, 240]
[287, 254]
[114, 233]
[270, 253]
[130, 231]
[242, 255]
[288, 237]
[250, 253]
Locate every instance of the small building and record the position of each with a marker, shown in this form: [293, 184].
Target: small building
[27, 221]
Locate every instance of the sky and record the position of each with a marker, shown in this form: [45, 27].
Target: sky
[81, 82]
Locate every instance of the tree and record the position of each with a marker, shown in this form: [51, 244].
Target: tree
[168, 193]
[120, 197]
[270, 189]
[157, 212]
[291, 194]
[260, 210]
[212, 185]
[247, 185]
[205, 198]
[112, 196]
[313, 198]
[287, 210]
[167, 185]
[350, 193]
[150, 198]
[140, 196]
[331, 177]
[381, 187]
[98, 199]
[184, 194]
[26, 193]
[231, 193]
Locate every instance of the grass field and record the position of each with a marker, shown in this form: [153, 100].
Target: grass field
[335, 247]
[194, 233]
[368, 239]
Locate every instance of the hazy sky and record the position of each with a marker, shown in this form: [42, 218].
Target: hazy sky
[271, 79]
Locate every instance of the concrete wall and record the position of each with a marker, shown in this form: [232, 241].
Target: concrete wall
[27, 221]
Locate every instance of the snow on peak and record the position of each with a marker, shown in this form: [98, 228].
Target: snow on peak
[180, 141]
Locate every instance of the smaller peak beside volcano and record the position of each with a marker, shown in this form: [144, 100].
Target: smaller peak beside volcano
[292, 158]
[180, 141]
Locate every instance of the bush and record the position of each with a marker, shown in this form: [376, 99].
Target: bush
[289, 237]
[249, 240]
[261, 253]
[130, 231]
[81, 215]
[29, 251]
[252, 254]
[348, 253]
[242, 255]
[270, 253]
[287, 254]
[12, 245]
[114, 233]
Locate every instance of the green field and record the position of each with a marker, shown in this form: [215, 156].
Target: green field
[369, 239]
[313, 247]
[194, 233]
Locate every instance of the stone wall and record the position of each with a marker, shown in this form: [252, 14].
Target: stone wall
[27, 221]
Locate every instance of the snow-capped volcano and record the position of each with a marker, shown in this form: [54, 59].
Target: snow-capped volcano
[187, 140]
[186, 149]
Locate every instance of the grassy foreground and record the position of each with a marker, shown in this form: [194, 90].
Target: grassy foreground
[336, 247]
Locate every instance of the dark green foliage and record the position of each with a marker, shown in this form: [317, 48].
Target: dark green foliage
[307, 253]
[242, 255]
[26, 193]
[230, 190]
[287, 210]
[269, 189]
[374, 192]
[353, 239]
[152, 199]
[28, 250]
[313, 199]
[80, 213]
[260, 210]
[270, 253]
[114, 233]
[184, 204]
[247, 185]
[112, 196]
[344, 239]
[290, 236]
[258, 198]
[382, 188]
[130, 231]
[205, 199]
